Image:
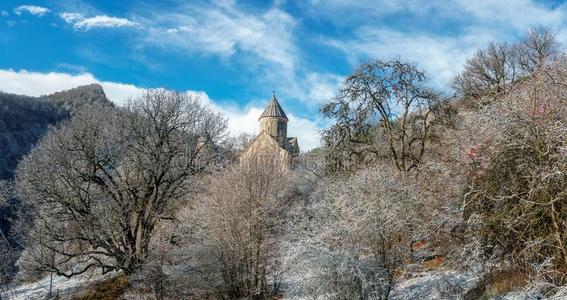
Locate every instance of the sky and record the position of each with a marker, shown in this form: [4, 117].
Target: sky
[235, 53]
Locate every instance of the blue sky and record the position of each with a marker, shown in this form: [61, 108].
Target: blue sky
[234, 53]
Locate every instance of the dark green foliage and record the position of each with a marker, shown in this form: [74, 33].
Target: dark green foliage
[521, 194]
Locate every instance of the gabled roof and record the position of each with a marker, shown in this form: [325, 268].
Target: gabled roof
[273, 110]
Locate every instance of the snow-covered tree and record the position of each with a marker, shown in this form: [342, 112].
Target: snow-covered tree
[98, 185]
[237, 228]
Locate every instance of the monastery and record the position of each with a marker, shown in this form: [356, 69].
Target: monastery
[272, 142]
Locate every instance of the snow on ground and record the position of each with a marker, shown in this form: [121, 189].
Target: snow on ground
[515, 295]
[561, 294]
[435, 285]
[61, 286]
[431, 285]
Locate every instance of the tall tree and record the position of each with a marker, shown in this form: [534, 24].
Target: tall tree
[489, 71]
[98, 185]
[537, 48]
[382, 106]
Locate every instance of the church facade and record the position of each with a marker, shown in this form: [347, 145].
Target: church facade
[272, 143]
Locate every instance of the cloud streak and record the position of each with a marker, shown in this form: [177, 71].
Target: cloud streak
[31, 9]
[264, 41]
[225, 30]
[436, 35]
[442, 57]
[80, 22]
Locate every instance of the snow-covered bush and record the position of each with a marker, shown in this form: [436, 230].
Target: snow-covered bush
[359, 234]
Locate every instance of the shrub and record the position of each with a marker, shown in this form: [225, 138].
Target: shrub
[360, 234]
[109, 289]
[518, 189]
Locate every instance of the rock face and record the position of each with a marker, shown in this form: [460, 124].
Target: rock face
[74, 98]
[272, 144]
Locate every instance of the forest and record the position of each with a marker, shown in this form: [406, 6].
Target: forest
[415, 193]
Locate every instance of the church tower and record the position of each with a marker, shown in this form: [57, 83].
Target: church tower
[272, 145]
[274, 121]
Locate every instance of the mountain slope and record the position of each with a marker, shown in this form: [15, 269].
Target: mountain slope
[23, 120]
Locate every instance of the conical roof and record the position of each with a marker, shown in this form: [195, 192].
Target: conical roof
[274, 110]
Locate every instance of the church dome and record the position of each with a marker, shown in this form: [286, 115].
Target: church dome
[274, 110]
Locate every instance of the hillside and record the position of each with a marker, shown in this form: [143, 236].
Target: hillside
[413, 195]
[440, 258]
[25, 119]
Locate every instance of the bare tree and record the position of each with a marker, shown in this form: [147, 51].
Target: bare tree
[238, 224]
[493, 69]
[489, 71]
[99, 184]
[537, 48]
[243, 140]
[384, 109]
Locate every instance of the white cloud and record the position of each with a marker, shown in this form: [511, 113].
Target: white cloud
[80, 22]
[306, 131]
[521, 15]
[442, 57]
[239, 120]
[438, 35]
[321, 87]
[120, 92]
[103, 21]
[71, 17]
[37, 84]
[4, 13]
[223, 29]
[31, 9]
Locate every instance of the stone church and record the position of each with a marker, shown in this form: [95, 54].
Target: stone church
[272, 142]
